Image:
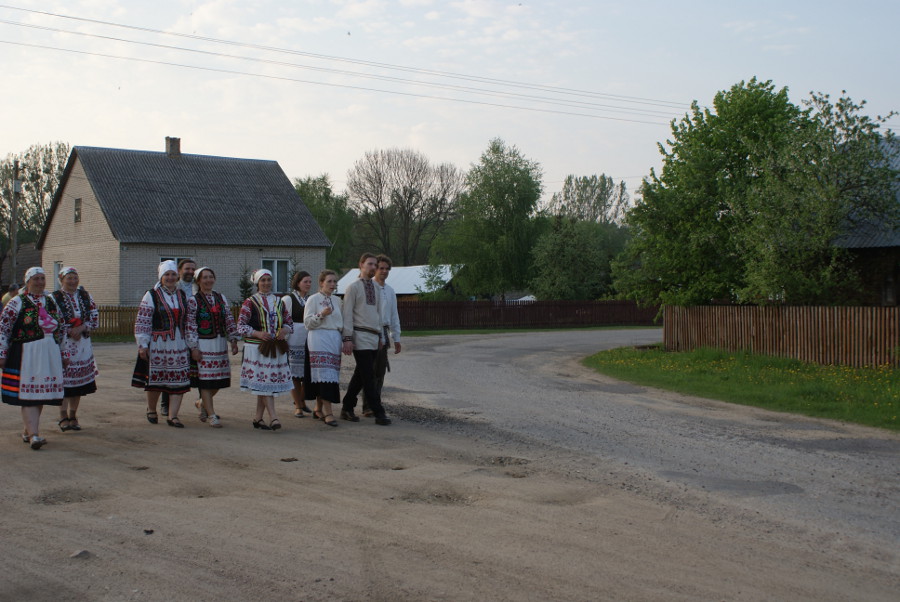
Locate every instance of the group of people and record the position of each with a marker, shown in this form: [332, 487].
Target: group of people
[185, 332]
[45, 350]
[292, 343]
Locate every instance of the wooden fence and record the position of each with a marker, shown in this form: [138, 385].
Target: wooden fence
[447, 315]
[850, 336]
[451, 315]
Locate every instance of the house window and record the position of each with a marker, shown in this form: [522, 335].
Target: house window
[175, 259]
[77, 210]
[280, 269]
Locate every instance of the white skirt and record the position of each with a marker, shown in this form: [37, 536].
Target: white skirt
[324, 355]
[215, 365]
[261, 375]
[297, 355]
[82, 370]
[41, 376]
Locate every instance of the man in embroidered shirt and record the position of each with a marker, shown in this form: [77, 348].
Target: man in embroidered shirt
[362, 337]
[390, 325]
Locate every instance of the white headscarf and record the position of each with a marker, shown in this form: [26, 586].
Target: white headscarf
[196, 284]
[166, 266]
[32, 272]
[66, 271]
[259, 274]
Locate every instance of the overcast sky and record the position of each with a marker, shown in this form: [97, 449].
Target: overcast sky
[583, 87]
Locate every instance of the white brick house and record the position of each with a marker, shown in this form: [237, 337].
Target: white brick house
[117, 213]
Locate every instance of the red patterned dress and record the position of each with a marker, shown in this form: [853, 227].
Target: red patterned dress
[262, 375]
[32, 343]
[79, 308]
[166, 325]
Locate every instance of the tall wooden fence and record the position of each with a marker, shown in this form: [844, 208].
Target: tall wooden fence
[850, 336]
[451, 315]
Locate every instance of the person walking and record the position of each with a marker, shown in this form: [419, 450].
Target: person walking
[32, 354]
[186, 267]
[390, 326]
[323, 321]
[166, 334]
[80, 317]
[216, 331]
[295, 303]
[265, 372]
[362, 337]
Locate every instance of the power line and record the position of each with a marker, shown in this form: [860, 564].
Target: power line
[482, 91]
[329, 84]
[432, 72]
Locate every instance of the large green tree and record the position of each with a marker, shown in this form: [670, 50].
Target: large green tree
[495, 230]
[335, 217]
[752, 194]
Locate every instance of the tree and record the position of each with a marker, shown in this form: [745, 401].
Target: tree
[41, 167]
[572, 260]
[751, 197]
[495, 231]
[403, 200]
[591, 198]
[335, 217]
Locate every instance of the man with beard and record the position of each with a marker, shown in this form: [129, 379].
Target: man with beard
[362, 337]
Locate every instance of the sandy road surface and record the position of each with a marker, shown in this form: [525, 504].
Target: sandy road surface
[511, 473]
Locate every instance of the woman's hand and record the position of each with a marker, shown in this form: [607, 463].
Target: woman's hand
[196, 354]
[234, 348]
[280, 335]
[262, 335]
[326, 311]
[65, 362]
[144, 354]
[75, 332]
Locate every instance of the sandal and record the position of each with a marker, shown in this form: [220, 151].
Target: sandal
[275, 424]
[332, 422]
[299, 413]
[25, 438]
[306, 409]
[259, 424]
[174, 421]
[152, 417]
[317, 415]
[214, 421]
[64, 428]
[73, 424]
[37, 442]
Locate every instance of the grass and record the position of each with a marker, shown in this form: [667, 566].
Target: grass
[868, 396]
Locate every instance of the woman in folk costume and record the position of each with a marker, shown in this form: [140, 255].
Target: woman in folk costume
[265, 324]
[80, 317]
[216, 330]
[294, 303]
[32, 353]
[323, 320]
[166, 334]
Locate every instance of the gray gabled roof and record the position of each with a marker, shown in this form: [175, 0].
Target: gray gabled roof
[149, 197]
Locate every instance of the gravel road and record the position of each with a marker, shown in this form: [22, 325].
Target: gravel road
[840, 480]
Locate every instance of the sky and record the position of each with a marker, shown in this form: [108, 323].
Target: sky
[583, 87]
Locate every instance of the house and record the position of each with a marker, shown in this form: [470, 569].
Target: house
[407, 281]
[118, 213]
[875, 247]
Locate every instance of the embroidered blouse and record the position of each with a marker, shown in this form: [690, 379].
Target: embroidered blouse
[48, 321]
[175, 303]
[78, 308]
[264, 312]
[312, 317]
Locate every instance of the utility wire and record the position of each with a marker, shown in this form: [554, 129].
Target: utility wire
[482, 91]
[446, 74]
[330, 84]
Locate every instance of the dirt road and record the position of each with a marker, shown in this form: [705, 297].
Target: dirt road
[510, 473]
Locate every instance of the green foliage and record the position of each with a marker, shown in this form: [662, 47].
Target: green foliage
[494, 233]
[335, 217]
[245, 285]
[868, 396]
[572, 260]
[751, 198]
[591, 198]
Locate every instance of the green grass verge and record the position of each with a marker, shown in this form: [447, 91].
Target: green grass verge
[869, 396]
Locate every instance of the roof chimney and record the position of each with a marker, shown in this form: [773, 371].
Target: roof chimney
[173, 147]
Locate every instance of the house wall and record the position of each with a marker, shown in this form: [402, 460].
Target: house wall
[139, 264]
[87, 245]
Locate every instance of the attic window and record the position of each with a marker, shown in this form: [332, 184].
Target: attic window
[77, 210]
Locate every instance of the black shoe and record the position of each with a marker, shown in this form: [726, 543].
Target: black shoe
[383, 421]
[259, 424]
[175, 422]
[349, 415]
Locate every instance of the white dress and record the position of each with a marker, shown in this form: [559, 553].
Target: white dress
[297, 340]
[260, 374]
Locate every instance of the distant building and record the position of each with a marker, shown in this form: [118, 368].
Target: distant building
[118, 213]
[408, 281]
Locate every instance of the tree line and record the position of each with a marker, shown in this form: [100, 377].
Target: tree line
[753, 193]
